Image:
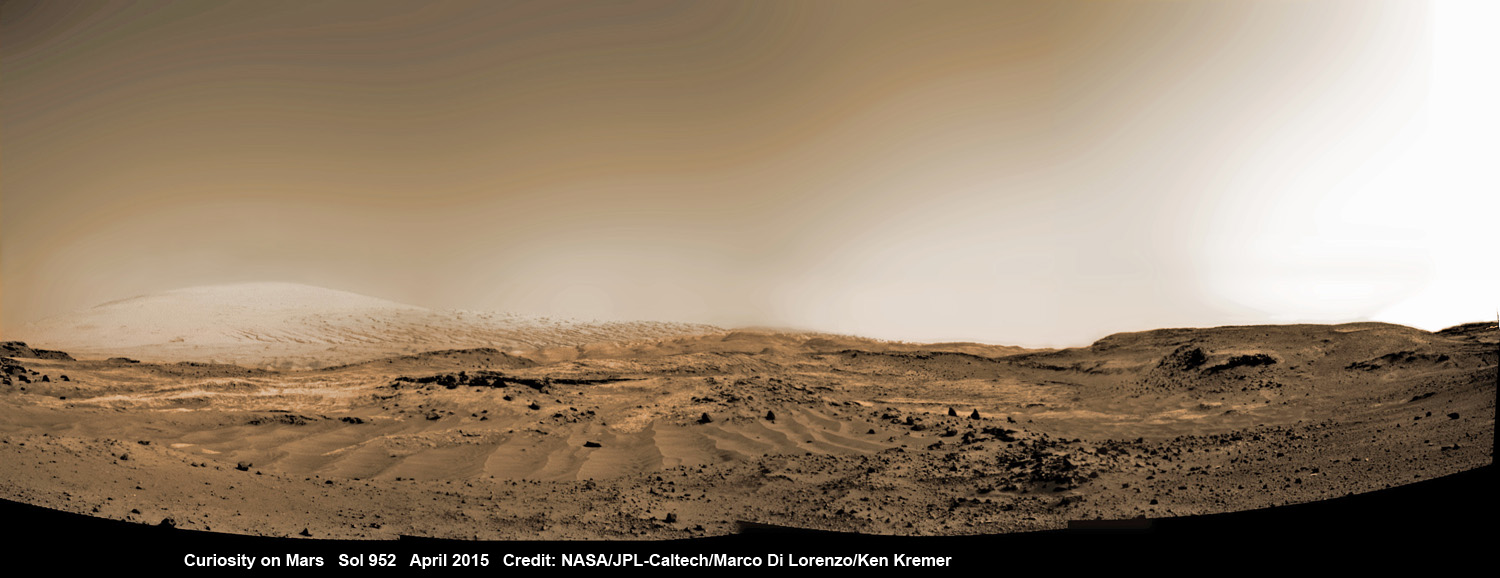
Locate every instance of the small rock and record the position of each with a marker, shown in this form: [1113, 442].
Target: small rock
[770, 415]
[304, 532]
[243, 466]
[705, 419]
[591, 444]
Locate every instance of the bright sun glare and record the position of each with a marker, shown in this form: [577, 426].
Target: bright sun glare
[1446, 184]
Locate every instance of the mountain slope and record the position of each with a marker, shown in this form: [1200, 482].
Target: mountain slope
[287, 326]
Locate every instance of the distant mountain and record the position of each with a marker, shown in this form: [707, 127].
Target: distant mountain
[287, 326]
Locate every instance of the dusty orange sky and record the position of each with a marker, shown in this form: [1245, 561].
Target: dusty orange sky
[1037, 173]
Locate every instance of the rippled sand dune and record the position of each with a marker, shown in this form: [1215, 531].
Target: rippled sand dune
[818, 431]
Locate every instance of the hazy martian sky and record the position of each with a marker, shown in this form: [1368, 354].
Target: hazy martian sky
[1034, 173]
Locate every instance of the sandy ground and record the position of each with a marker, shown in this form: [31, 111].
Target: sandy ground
[683, 437]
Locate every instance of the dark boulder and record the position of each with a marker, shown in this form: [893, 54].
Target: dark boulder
[1184, 357]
